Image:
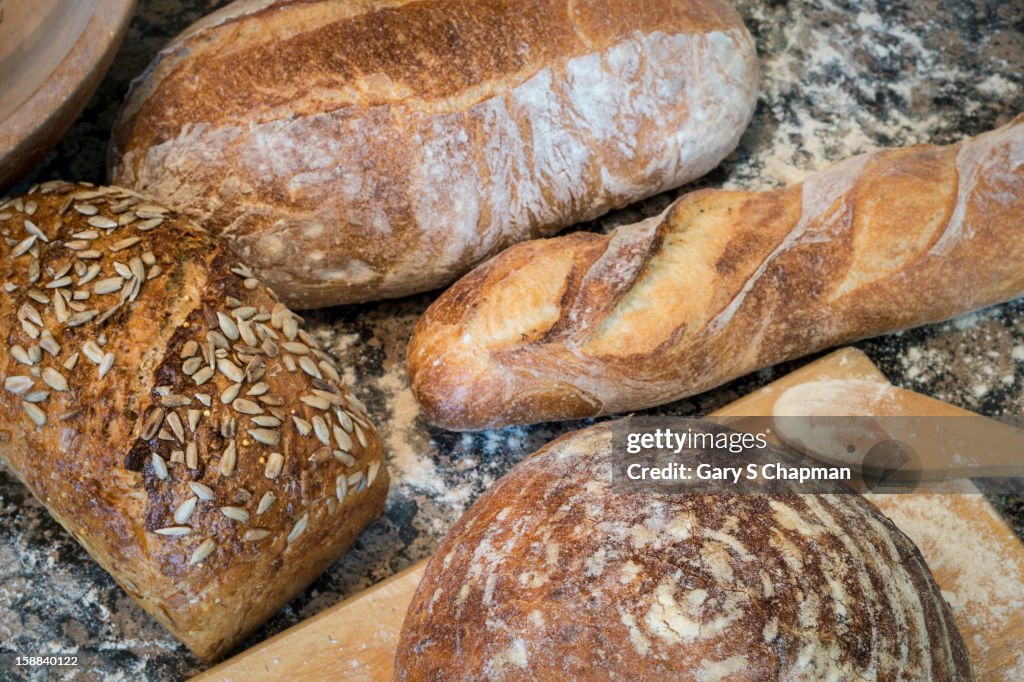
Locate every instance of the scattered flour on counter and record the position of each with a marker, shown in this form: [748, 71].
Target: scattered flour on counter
[996, 86]
[410, 454]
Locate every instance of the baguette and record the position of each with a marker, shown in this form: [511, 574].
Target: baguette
[557, 574]
[724, 283]
[355, 151]
[172, 415]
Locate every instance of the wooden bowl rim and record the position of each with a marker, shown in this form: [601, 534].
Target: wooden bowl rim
[81, 70]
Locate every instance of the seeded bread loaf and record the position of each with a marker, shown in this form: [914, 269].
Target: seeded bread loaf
[172, 415]
[355, 151]
[724, 283]
[554, 574]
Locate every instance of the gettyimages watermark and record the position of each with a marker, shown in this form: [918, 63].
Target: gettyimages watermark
[816, 455]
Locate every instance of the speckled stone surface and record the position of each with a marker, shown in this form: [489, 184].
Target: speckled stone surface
[838, 78]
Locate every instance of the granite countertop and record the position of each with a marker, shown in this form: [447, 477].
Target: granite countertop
[838, 78]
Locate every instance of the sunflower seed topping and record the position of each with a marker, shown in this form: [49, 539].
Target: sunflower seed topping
[344, 419]
[341, 487]
[109, 285]
[49, 344]
[320, 455]
[258, 389]
[235, 514]
[333, 398]
[175, 400]
[37, 416]
[303, 426]
[147, 225]
[152, 424]
[102, 222]
[23, 246]
[21, 355]
[246, 406]
[371, 473]
[245, 330]
[321, 430]
[91, 273]
[290, 328]
[59, 282]
[106, 364]
[202, 492]
[342, 439]
[123, 244]
[192, 455]
[204, 550]
[266, 436]
[265, 502]
[159, 467]
[174, 421]
[36, 396]
[297, 529]
[228, 459]
[274, 465]
[173, 530]
[267, 421]
[78, 319]
[203, 375]
[329, 371]
[295, 348]
[254, 534]
[191, 366]
[185, 510]
[230, 393]
[17, 384]
[54, 379]
[316, 401]
[230, 370]
[228, 326]
[93, 351]
[357, 481]
[309, 367]
[193, 419]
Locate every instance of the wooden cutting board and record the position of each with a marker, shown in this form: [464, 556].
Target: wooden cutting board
[975, 557]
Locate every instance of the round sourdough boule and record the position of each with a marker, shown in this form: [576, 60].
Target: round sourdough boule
[552, 575]
[172, 415]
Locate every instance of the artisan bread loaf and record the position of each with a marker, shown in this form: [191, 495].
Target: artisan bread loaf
[555, 574]
[724, 283]
[355, 151]
[172, 415]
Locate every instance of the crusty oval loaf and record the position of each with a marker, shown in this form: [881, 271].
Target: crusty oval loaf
[553, 574]
[355, 151]
[172, 415]
[724, 283]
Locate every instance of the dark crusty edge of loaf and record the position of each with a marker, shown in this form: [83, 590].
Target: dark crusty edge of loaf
[171, 414]
[555, 574]
[724, 283]
[358, 151]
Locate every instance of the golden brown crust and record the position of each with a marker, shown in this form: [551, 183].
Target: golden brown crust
[554, 574]
[364, 150]
[146, 379]
[724, 283]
